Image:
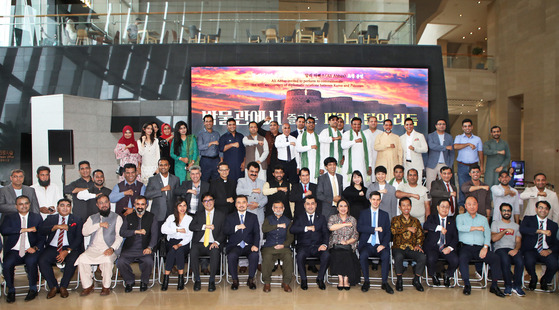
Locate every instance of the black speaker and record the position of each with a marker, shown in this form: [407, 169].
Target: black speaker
[61, 147]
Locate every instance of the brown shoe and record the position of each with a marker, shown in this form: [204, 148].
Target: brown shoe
[105, 291]
[52, 292]
[87, 291]
[63, 292]
[267, 288]
[286, 287]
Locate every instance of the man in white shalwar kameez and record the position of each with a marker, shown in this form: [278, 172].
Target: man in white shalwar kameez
[371, 134]
[356, 150]
[308, 147]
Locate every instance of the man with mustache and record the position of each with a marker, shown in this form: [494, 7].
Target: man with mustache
[389, 151]
[47, 193]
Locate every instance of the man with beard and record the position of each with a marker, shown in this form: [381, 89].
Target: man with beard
[160, 189]
[444, 189]
[278, 189]
[47, 193]
[92, 192]
[308, 147]
[9, 194]
[224, 190]
[498, 156]
[257, 149]
[192, 190]
[356, 150]
[371, 134]
[504, 193]
[140, 230]
[413, 146]
[507, 240]
[83, 183]
[418, 194]
[331, 141]
[208, 146]
[476, 188]
[540, 192]
[470, 153]
[389, 151]
[125, 192]
[104, 246]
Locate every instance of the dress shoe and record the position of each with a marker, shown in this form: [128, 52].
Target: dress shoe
[387, 288]
[165, 284]
[544, 285]
[63, 292]
[533, 284]
[243, 270]
[87, 291]
[30, 295]
[312, 268]
[128, 288]
[496, 290]
[180, 285]
[347, 288]
[250, 283]
[365, 287]
[399, 284]
[321, 284]
[10, 298]
[417, 283]
[436, 281]
[197, 286]
[267, 288]
[467, 290]
[286, 287]
[211, 286]
[304, 285]
[340, 288]
[446, 281]
[105, 291]
[235, 285]
[143, 287]
[52, 292]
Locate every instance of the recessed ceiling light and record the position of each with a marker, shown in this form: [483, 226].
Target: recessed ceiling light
[478, 28]
[485, 39]
[471, 32]
[308, 8]
[479, 2]
[460, 15]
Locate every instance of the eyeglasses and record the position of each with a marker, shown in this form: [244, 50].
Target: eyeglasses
[207, 200]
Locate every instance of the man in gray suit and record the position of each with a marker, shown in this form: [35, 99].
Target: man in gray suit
[160, 189]
[329, 188]
[8, 194]
[388, 203]
[441, 152]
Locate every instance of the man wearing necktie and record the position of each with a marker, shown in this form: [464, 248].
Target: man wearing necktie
[441, 242]
[64, 244]
[22, 244]
[287, 155]
[539, 244]
[444, 189]
[302, 190]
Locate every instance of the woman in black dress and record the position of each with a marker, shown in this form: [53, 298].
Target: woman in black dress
[355, 195]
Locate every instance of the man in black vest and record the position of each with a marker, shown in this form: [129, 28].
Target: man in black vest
[278, 189]
[124, 193]
[141, 231]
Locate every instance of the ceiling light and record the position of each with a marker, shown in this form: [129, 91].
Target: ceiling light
[460, 15]
[479, 2]
[471, 33]
[478, 28]
[463, 38]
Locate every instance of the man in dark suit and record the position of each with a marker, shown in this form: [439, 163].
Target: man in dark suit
[300, 123]
[160, 189]
[539, 244]
[192, 189]
[302, 190]
[374, 240]
[329, 187]
[22, 244]
[243, 232]
[207, 228]
[444, 189]
[311, 232]
[224, 190]
[8, 194]
[441, 241]
[64, 244]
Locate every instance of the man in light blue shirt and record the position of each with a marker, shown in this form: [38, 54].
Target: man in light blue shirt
[475, 235]
[208, 146]
[470, 153]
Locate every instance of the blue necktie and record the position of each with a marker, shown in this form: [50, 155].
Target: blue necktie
[374, 239]
[243, 244]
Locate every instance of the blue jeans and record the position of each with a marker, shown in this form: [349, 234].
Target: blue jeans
[506, 261]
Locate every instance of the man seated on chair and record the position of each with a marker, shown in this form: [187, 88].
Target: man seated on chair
[475, 236]
[140, 230]
[311, 230]
[64, 244]
[104, 245]
[539, 244]
[408, 237]
[207, 228]
[374, 240]
[278, 239]
[441, 242]
[22, 245]
[243, 232]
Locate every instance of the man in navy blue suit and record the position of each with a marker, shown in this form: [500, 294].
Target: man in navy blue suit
[311, 231]
[22, 244]
[64, 244]
[374, 240]
[539, 244]
[243, 232]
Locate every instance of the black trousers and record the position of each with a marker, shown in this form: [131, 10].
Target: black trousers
[469, 252]
[434, 254]
[175, 257]
[233, 261]
[198, 249]
[506, 263]
[417, 256]
[48, 259]
[11, 259]
[532, 256]
[146, 267]
[312, 251]
[209, 168]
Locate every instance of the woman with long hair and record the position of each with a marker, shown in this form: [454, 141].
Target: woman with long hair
[148, 147]
[355, 194]
[126, 151]
[165, 140]
[155, 127]
[184, 150]
[178, 242]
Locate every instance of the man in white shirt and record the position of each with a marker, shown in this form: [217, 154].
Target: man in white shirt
[356, 150]
[540, 193]
[287, 155]
[308, 147]
[371, 134]
[418, 194]
[413, 145]
[331, 141]
[47, 193]
[257, 149]
[503, 193]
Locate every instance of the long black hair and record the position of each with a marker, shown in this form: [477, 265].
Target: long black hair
[177, 137]
[152, 136]
[176, 209]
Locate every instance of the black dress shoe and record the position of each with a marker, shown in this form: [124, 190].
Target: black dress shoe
[533, 284]
[30, 295]
[387, 288]
[497, 291]
[143, 287]
[417, 283]
[235, 285]
[467, 290]
[197, 285]
[304, 285]
[436, 281]
[544, 285]
[365, 287]
[321, 284]
[10, 298]
[211, 286]
[250, 283]
[446, 281]
[399, 284]
[128, 288]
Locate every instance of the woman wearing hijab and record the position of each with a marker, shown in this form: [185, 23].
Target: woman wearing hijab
[165, 140]
[126, 151]
[184, 150]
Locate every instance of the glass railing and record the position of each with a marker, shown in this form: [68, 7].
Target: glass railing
[467, 61]
[205, 22]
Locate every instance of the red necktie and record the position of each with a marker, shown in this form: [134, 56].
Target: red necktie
[61, 237]
[305, 190]
[451, 199]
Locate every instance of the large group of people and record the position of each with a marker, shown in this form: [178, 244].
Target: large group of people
[348, 200]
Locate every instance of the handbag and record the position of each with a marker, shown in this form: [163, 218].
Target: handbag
[346, 247]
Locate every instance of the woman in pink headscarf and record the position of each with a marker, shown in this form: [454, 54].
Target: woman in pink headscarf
[126, 151]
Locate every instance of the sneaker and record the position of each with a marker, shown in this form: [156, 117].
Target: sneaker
[508, 290]
[519, 292]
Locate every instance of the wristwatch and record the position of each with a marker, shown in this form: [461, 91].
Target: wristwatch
[485, 246]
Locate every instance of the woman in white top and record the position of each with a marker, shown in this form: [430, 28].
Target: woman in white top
[148, 148]
[178, 242]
